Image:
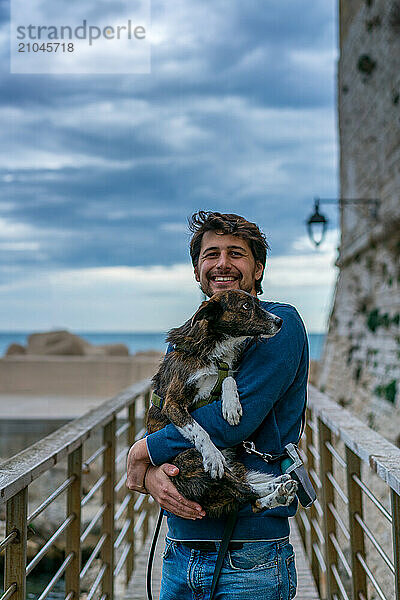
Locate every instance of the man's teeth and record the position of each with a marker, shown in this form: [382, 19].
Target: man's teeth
[224, 278]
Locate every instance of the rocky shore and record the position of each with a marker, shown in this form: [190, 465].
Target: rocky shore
[63, 343]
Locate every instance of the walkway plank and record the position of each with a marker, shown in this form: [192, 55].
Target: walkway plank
[136, 589]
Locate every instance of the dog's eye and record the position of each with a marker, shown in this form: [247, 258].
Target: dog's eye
[246, 306]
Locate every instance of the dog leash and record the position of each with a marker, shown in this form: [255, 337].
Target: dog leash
[151, 554]
[228, 530]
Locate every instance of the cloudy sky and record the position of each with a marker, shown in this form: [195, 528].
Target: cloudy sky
[100, 172]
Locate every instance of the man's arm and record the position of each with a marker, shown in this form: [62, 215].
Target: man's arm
[144, 477]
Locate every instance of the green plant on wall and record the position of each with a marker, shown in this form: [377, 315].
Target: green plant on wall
[375, 320]
[387, 391]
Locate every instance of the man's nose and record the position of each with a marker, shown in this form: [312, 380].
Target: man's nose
[223, 261]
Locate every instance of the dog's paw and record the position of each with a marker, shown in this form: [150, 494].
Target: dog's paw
[283, 495]
[231, 407]
[232, 414]
[214, 463]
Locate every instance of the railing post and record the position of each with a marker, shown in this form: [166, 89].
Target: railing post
[130, 559]
[15, 560]
[73, 543]
[327, 497]
[395, 502]
[107, 550]
[359, 579]
[312, 538]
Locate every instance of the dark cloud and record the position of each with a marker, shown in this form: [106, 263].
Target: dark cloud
[235, 116]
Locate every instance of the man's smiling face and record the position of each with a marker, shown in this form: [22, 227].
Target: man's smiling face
[226, 262]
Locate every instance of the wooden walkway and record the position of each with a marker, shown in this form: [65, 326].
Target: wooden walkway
[136, 589]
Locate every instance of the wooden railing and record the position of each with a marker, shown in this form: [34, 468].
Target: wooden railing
[352, 533]
[117, 519]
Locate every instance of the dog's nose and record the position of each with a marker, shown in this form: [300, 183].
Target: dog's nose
[278, 322]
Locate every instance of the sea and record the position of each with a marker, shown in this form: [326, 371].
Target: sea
[136, 342]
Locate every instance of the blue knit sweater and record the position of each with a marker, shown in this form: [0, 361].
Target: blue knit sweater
[272, 383]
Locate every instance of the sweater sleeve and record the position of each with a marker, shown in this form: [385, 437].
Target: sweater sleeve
[267, 370]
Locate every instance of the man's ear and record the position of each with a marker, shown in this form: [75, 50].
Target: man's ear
[259, 271]
[209, 310]
[196, 274]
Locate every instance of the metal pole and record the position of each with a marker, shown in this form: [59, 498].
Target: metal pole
[395, 501]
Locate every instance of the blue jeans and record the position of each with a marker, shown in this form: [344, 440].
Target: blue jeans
[258, 571]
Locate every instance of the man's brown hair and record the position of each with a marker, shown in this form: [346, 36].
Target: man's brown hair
[203, 221]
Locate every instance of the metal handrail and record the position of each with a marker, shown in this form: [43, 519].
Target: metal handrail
[371, 576]
[99, 452]
[95, 488]
[97, 582]
[343, 458]
[61, 488]
[8, 540]
[373, 499]
[23, 468]
[335, 454]
[118, 520]
[339, 520]
[340, 554]
[374, 542]
[122, 559]
[330, 537]
[43, 551]
[8, 593]
[56, 577]
[93, 522]
[93, 555]
[373, 449]
[123, 506]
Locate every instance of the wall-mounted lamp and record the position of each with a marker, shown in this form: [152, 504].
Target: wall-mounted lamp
[317, 224]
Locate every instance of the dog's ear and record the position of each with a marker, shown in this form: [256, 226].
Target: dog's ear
[209, 310]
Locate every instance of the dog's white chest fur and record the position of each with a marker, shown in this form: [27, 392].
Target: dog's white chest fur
[206, 378]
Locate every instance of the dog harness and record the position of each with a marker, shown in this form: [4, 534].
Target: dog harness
[223, 372]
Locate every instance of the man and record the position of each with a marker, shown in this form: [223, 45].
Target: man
[228, 252]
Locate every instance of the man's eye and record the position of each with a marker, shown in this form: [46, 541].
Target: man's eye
[246, 306]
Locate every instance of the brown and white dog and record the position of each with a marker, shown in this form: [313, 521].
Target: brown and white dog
[217, 331]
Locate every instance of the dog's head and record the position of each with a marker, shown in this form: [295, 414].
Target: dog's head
[237, 313]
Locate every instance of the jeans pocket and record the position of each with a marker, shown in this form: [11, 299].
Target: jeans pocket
[292, 576]
[254, 557]
[169, 548]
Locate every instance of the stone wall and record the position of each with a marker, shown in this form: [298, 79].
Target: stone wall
[92, 376]
[361, 358]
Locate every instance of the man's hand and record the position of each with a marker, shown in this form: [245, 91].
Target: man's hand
[165, 493]
[143, 477]
[137, 464]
